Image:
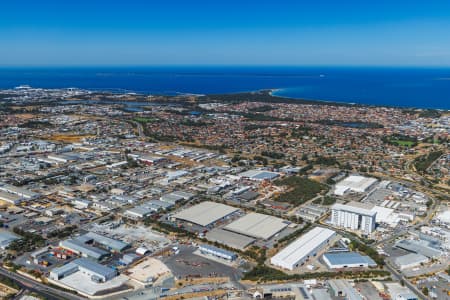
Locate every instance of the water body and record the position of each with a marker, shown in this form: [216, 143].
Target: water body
[405, 87]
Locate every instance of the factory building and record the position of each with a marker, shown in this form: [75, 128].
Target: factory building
[221, 253]
[84, 245]
[258, 226]
[354, 183]
[347, 260]
[7, 238]
[411, 260]
[95, 271]
[355, 216]
[299, 251]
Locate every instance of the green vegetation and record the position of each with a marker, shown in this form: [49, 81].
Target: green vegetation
[425, 291]
[249, 127]
[422, 163]
[326, 160]
[35, 124]
[430, 113]
[274, 155]
[262, 117]
[62, 233]
[327, 200]
[300, 189]
[145, 120]
[400, 140]
[188, 122]
[290, 237]
[9, 282]
[220, 148]
[27, 243]
[265, 273]
[372, 253]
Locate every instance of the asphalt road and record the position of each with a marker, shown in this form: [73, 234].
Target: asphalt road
[39, 288]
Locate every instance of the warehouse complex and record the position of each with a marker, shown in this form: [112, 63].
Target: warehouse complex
[86, 245]
[258, 226]
[234, 240]
[299, 251]
[221, 253]
[354, 183]
[205, 213]
[354, 215]
[339, 260]
[95, 271]
[7, 238]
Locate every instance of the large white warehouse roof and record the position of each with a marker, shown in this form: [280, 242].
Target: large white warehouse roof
[205, 213]
[258, 225]
[302, 247]
[354, 183]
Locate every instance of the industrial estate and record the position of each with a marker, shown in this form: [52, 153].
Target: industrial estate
[241, 196]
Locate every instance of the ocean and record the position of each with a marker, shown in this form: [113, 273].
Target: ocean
[403, 87]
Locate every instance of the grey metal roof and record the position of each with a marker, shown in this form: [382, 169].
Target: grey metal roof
[234, 240]
[205, 213]
[349, 258]
[258, 225]
[420, 247]
[79, 246]
[95, 267]
[107, 242]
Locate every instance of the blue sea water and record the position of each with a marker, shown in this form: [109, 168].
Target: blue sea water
[405, 87]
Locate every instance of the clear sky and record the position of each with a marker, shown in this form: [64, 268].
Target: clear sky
[224, 32]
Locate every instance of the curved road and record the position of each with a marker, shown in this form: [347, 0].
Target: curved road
[39, 288]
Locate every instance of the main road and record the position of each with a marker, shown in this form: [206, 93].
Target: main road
[42, 289]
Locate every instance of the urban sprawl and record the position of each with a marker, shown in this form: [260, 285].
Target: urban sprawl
[241, 196]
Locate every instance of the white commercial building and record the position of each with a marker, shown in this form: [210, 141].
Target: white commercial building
[299, 251]
[354, 183]
[258, 226]
[354, 215]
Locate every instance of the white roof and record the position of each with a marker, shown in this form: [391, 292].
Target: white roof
[385, 215]
[205, 213]
[355, 207]
[302, 246]
[444, 216]
[258, 225]
[355, 183]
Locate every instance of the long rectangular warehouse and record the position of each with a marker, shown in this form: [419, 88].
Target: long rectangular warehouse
[258, 225]
[302, 248]
[205, 213]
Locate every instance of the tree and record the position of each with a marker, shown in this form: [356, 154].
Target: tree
[425, 291]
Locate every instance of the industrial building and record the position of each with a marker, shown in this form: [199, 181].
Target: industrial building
[84, 245]
[411, 260]
[78, 247]
[354, 183]
[344, 290]
[95, 271]
[221, 253]
[259, 175]
[15, 195]
[355, 216]
[231, 239]
[258, 226]
[299, 251]
[7, 238]
[399, 292]
[420, 247]
[205, 213]
[339, 260]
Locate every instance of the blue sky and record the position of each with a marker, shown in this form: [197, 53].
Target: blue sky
[244, 32]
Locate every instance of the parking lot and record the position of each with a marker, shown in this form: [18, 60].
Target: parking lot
[186, 263]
